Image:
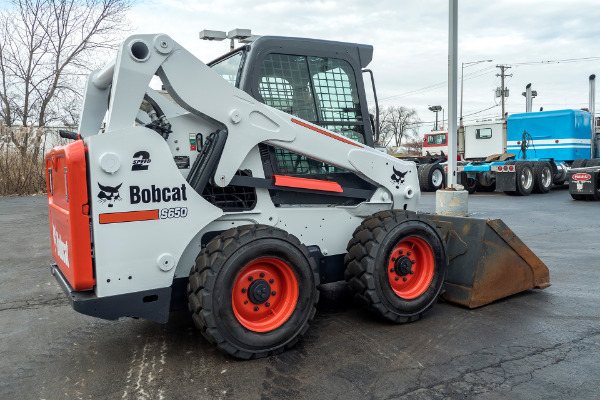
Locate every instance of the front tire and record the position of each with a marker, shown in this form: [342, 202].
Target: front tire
[253, 291]
[396, 264]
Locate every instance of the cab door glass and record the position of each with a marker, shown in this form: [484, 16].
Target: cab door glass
[319, 90]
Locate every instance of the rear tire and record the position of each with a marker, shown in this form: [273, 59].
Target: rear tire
[431, 177]
[470, 184]
[253, 291]
[524, 171]
[396, 265]
[542, 174]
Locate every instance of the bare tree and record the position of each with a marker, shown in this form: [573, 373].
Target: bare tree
[398, 123]
[46, 47]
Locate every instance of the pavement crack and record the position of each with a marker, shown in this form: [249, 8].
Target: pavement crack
[34, 303]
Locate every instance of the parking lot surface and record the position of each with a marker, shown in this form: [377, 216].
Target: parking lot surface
[535, 345]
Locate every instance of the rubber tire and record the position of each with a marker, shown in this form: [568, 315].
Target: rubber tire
[470, 184]
[426, 177]
[367, 268]
[213, 276]
[579, 163]
[510, 192]
[520, 168]
[538, 171]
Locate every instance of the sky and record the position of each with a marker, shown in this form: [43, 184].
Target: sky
[410, 40]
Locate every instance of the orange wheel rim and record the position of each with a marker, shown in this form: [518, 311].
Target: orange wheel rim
[265, 294]
[410, 268]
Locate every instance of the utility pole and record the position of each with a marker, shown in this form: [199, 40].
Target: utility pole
[502, 91]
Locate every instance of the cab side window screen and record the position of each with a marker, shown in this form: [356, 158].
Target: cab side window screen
[320, 90]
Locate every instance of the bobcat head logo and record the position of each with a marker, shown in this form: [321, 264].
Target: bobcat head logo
[109, 194]
[398, 177]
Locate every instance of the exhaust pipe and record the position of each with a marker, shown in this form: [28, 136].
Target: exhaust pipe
[592, 109]
[528, 98]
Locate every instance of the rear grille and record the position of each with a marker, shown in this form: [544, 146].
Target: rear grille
[231, 198]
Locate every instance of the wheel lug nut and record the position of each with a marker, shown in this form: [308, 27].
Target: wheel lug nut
[256, 308]
[412, 261]
[392, 269]
[409, 253]
[262, 274]
[412, 272]
[268, 304]
[250, 278]
[273, 293]
[393, 258]
[271, 280]
[400, 252]
[245, 301]
[397, 278]
[244, 290]
[404, 279]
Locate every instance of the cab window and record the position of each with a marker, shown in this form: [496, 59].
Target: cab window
[436, 139]
[229, 67]
[484, 133]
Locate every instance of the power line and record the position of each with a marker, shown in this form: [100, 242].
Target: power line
[471, 75]
[564, 61]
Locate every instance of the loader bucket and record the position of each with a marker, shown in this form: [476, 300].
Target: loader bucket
[487, 261]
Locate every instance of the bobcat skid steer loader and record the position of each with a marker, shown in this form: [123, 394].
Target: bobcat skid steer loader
[244, 186]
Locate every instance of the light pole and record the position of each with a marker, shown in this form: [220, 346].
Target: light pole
[462, 74]
[436, 110]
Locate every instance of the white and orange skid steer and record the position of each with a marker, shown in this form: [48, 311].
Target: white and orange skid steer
[245, 184]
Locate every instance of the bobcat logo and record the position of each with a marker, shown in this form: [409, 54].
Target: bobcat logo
[109, 193]
[398, 177]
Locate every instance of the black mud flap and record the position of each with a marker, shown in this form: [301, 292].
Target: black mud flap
[584, 182]
[506, 181]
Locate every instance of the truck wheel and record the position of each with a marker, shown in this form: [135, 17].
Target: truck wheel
[470, 184]
[524, 178]
[432, 177]
[579, 163]
[253, 291]
[542, 174]
[396, 265]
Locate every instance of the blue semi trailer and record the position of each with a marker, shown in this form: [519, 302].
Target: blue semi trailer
[542, 148]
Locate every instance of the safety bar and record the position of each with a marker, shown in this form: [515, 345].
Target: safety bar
[104, 77]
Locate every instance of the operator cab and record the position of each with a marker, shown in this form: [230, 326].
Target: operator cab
[316, 80]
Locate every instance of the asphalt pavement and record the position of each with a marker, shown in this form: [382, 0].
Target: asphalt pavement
[535, 345]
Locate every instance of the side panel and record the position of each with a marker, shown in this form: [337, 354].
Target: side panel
[143, 219]
[563, 135]
[492, 142]
[68, 211]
